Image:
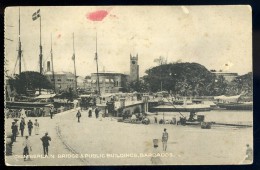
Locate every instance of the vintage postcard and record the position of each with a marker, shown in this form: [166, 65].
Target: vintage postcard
[128, 85]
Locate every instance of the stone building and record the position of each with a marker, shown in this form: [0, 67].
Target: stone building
[109, 82]
[63, 80]
[227, 75]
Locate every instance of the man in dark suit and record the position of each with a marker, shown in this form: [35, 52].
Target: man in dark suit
[45, 143]
[14, 131]
[30, 126]
[22, 126]
[78, 115]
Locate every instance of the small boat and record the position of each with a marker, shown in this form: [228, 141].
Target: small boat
[233, 103]
[182, 108]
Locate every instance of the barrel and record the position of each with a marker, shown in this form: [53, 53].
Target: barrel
[174, 121]
[205, 125]
[155, 143]
[200, 118]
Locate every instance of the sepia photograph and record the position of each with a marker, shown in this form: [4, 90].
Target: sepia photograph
[128, 85]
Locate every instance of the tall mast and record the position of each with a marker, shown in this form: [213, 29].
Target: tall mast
[20, 47]
[96, 57]
[53, 76]
[40, 50]
[74, 59]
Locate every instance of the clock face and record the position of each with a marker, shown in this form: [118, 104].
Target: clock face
[133, 62]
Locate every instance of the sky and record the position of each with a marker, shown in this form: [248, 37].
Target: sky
[218, 37]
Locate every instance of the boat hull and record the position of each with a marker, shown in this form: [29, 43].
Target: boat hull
[236, 106]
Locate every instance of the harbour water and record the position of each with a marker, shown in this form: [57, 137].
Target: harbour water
[219, 116]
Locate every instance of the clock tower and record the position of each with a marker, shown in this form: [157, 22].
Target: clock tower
[134, 68]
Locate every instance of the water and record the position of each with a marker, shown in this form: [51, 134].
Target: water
[219, 116]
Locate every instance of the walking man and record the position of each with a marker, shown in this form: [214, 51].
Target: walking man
[155, 120]
[90, 112]
[51, 111]
[96, 112]
[164, 139]
[30, 126]
[26, 147]
[45, 143]
[78, 115]
[22, 126]
[14, 131]
[36, 127]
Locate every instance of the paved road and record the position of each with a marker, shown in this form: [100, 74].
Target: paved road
[101, 141]
[56, 145]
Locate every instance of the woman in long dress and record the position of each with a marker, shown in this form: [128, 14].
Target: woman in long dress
[23, 114]
[36, 127]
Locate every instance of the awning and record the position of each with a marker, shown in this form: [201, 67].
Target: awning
[85, 95]
[45, 96]
[228, 98]
[49, 105]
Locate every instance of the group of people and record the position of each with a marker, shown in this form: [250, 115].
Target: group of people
[28, 147]
[26, 143]
[90, 110]
[22, 127]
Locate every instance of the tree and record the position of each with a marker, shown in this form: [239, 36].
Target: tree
[187, 79]
[29, 80]
[241, 85]
[138, 86]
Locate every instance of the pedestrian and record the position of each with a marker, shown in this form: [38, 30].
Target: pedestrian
[30, 126]
[23, 114]
[45, 143]
[36, 127]
[249, 153]
[155, 119]
[96, 112]
[16, 125]
[14, 131]
[164, 139]
[22, 126]
[78, 115]
[26, 147]
[51, 112]
[90, 112]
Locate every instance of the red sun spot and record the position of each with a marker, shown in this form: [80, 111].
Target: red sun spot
[97, 15]
[59, 36]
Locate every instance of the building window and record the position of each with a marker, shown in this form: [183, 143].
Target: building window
[59, 80]
[52, 79]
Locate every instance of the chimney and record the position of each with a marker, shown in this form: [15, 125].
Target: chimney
[48, 66]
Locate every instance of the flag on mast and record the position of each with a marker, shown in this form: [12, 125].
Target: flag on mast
[36, 15]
